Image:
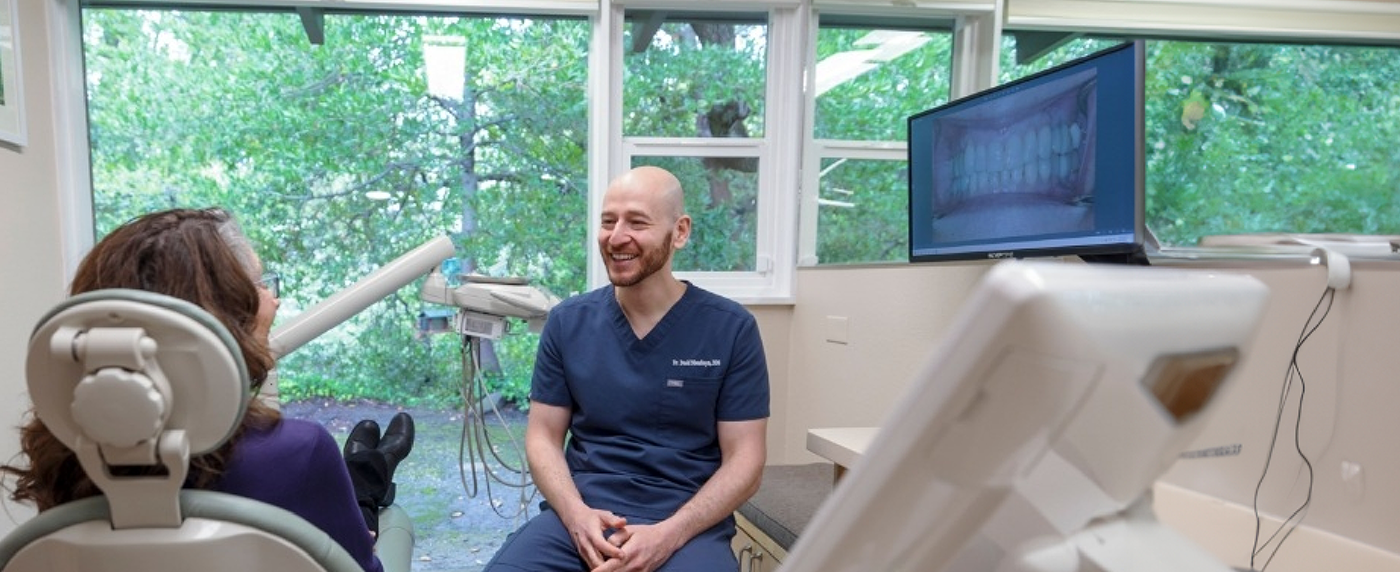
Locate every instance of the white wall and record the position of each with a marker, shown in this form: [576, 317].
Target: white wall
[31, 244]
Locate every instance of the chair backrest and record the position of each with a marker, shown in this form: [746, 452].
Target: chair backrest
[133, 378]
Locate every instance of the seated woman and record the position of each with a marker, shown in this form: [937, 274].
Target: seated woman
[202, 256]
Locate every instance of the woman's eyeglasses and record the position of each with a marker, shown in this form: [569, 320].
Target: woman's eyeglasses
[273, 282]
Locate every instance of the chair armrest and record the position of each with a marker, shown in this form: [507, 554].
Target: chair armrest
[394, 544]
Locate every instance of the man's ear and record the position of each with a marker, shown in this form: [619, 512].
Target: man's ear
[682, 235]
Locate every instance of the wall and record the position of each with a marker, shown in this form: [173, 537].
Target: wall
[31, 244]
[892, 316]
[774, 326]
[896, 314]
[1349, 373]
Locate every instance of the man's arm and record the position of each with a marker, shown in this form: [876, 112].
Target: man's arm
[544, 449]
[743, 452]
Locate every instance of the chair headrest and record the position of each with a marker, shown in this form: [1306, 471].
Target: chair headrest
[121, 367]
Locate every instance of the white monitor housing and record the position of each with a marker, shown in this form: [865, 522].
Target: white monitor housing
[1032, 437]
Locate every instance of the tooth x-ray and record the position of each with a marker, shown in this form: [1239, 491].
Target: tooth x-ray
[1019, 165]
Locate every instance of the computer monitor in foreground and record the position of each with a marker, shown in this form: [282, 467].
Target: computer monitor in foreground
[1032, 437]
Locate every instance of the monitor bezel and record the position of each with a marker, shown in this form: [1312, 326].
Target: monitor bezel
[1128, 250]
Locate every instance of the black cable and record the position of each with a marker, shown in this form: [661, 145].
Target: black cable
[1289, 523]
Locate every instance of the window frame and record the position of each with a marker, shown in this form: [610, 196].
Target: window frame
[976, 30]
[771, 281]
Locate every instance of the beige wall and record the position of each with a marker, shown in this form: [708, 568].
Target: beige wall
[892, 316]
[31, 243]
[773, 325]
[896, 315]
[1351, 371]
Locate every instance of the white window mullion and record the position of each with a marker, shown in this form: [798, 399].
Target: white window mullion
[604, 123]
[977, 50]
[779, 196]
[777, 151]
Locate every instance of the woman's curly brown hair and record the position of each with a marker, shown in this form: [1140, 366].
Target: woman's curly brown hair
[198, 255]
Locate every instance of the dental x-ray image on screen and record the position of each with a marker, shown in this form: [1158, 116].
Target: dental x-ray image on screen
[1050, 164]
[1031, 438]
[1018, 166]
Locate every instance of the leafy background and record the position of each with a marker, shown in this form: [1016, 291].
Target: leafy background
[239, 109]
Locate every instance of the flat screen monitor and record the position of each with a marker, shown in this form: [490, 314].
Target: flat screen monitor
[1048, 165]
[1032, 436]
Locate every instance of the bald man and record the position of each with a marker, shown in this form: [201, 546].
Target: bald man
[661, 389]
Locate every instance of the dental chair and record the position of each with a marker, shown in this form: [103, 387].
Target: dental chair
[128, 377]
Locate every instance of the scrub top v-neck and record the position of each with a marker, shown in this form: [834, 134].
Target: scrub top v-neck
[643, 435]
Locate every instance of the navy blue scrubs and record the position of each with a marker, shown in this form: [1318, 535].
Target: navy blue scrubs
[643, 436]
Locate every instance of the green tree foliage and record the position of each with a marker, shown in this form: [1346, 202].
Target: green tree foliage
[1247, 138]
[863, 217]
[686, 69]
[1264, 138]
[240, 110]
[689, 79]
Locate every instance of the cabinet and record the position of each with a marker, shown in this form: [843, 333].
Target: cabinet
[754, 549]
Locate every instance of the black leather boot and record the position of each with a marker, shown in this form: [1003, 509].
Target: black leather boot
[363, 437]
[397, 441]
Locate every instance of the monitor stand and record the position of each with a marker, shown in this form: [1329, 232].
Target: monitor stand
[1135, 258]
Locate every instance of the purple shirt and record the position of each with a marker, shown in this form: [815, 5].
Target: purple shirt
[297, 466]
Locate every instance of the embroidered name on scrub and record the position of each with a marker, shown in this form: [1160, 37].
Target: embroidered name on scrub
[695, 362]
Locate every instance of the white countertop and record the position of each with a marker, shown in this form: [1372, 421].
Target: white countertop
[841, 445]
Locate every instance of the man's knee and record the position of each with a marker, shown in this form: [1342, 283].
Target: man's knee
[541, 544]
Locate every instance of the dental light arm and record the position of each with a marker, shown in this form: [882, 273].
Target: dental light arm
[303, 328]
[485, 302]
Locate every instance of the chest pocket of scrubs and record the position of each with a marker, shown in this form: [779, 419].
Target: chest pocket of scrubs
[686, 411]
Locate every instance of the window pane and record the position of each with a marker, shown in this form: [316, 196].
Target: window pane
[1245, 138]
[341, 157]
[1076, 48]
[1262, 138]
[338, 159]
[723, 205]
[869, 81]
[694, 75]
[862, 211]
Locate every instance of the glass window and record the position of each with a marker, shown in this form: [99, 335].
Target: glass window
[339, 158]
[1018, 61]
[863, 210]
[724, 212]
[694, 75]
[1248, 138]
[694, 93]
[343, 156]
[867, 82]
[1265, 138]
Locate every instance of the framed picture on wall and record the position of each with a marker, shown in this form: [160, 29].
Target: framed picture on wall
[11, 89]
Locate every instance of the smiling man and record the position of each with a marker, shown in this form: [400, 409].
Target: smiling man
[661, 390]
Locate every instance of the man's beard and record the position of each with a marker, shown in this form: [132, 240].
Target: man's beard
[652, 261]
